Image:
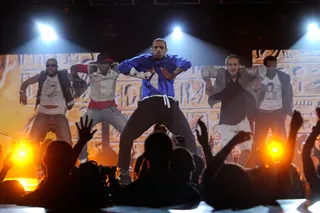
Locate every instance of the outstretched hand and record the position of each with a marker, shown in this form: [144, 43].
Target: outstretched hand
[241, 137]
[203, 138]
[84, 130]
[296, 121]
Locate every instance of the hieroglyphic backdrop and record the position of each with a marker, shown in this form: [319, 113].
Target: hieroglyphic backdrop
[17, 119]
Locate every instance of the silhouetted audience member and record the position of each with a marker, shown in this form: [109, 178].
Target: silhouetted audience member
[11, 191]
[56, 190]
[90, 190]
[308, 167]
[196, 175]
[182, 165]
[231, 188]
[158, 188]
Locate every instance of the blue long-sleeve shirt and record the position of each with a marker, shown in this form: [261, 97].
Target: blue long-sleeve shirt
[145, 62]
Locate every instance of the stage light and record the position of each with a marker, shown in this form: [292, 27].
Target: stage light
[275, 150]
[47, 33]
[177, 33]
[313, 31]
[22, 153]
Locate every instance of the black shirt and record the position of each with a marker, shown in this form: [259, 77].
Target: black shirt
[233, 102]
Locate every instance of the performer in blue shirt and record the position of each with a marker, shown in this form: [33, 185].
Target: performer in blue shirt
[158, 71]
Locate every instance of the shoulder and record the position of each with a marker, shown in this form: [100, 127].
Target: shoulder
[221, 72]
[145, 56]
[63, 72]
[173, 57]
[284, 75]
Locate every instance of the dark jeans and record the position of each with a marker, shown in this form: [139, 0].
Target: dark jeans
[43, 124]
[151, 111]
[265, 120]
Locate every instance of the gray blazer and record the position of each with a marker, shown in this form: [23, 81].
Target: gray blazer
[247, 76]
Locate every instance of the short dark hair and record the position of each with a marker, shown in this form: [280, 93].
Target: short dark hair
[160, 39]
[232, 56]
[269, 58]
[52, 59]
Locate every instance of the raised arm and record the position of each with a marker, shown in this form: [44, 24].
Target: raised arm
[182, 64]
[83, 68]
[24, 86]
[296, 123]
[256, 71]
[208, 72]
[127, 65]
[309, 170]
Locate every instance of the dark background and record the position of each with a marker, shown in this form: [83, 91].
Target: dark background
[124, 29]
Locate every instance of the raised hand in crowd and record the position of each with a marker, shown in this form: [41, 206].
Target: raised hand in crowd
[203, 140]
[84, 129]
[308, 167]
[240, 138]
[296, 121]
[7, 165]
[85, 135]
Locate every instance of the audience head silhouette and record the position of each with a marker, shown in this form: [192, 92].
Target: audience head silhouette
[182, 165]
[58, 156]
[158, 149]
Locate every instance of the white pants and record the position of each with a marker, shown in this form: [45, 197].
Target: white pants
[229, 131]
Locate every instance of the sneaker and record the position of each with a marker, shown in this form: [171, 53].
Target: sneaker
[124, 177]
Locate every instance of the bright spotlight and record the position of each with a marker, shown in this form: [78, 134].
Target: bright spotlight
[22, 153]
[275, 150]
[313, 31]
[47, 32]
[177, 33]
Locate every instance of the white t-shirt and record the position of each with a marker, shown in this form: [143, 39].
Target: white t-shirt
[52, 95]
[273, 94]
[102, 87]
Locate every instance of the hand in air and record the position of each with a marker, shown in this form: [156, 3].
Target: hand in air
[84, 130]
[296, 121]
[203, 138]
[241, 137]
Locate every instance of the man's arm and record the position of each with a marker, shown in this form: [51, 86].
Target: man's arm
[128, 64]
[253, 72]
[26, 83]
[24, 86]
[290, 95]
[79, 85]
[131, 68]
[208, 72]
[182, 65]
[83, 68]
